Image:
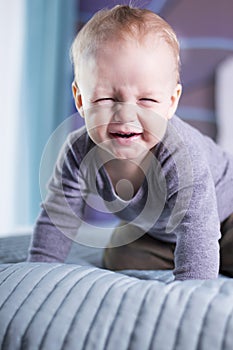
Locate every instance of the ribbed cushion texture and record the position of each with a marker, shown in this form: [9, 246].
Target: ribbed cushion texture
[83, 306]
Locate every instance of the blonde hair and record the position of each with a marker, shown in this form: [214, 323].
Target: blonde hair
[121, 22]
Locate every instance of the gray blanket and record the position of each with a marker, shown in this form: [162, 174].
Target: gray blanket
[82, 306]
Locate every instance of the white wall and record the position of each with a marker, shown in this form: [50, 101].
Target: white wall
[224, 103]
[11, 48]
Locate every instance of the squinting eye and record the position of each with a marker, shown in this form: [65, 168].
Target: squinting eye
[148, 100]
[105, 100]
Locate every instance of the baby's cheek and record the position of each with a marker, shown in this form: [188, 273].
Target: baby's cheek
[98, 116]
[151, 140]
[96, 131]
[154, 125]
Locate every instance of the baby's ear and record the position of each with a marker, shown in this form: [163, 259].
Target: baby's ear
[175, 100]
[77, 98]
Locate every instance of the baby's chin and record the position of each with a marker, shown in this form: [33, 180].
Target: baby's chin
[110, 153]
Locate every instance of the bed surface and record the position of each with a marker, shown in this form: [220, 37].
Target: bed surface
[80, 305]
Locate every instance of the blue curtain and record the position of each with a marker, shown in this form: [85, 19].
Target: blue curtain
[46, 98]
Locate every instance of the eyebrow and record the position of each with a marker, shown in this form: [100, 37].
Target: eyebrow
[145, 93]
[151, 93]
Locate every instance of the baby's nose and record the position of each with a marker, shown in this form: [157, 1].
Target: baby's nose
[124, 112]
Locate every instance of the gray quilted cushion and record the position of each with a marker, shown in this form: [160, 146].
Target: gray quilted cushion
[65, 306]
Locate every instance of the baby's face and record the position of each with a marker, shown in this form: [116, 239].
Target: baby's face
[126, 93]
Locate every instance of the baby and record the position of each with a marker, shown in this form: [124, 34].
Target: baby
[170, 186]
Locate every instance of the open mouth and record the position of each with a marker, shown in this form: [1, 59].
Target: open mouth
[125, 135]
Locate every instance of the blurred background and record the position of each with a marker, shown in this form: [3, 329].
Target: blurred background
[36, 76]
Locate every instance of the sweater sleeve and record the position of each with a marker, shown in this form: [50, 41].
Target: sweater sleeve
[197, 247]
[194, 220]
[192, 202]
[61, 214]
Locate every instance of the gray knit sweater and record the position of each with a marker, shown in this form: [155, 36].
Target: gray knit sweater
[186, 194]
